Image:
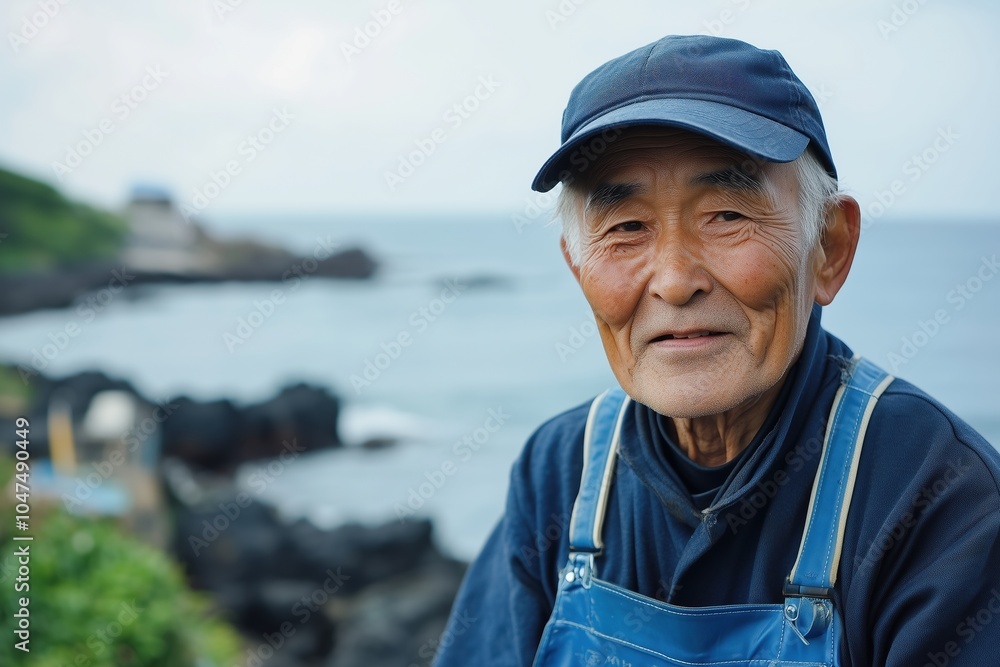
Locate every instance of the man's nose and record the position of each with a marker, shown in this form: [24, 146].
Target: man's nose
[678, 270]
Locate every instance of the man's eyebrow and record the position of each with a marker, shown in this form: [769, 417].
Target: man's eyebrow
[732, 178]
[606, 195]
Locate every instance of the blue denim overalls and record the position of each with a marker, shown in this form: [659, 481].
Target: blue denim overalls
[597, 623]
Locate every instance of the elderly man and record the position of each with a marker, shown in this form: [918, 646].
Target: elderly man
[753, 493]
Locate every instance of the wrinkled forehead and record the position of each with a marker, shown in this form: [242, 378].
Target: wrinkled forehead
[643, 148]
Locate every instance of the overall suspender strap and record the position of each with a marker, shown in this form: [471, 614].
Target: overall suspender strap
[815, 570]
[600, 445]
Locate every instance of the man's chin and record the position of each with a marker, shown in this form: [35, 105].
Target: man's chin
[688, 396]
[681, 409]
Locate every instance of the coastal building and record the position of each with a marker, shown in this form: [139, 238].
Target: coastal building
[160, 239]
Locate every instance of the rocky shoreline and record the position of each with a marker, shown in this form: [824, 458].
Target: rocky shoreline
[65, 286]
[351, 596]
[150, 242]
[301, 596]
[354, 596]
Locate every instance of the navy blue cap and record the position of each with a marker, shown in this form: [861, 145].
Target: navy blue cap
[742, 96]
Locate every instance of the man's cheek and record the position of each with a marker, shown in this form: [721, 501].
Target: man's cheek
[613, 290]
[756, 279]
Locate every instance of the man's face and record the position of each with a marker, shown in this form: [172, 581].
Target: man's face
[683, 236]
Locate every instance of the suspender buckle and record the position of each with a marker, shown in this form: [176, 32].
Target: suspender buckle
[791, 590]
[808, 618]
[581, 566]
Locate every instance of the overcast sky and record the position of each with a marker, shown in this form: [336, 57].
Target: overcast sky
[170, 92]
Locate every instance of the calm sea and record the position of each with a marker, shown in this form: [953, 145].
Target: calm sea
[474, 333]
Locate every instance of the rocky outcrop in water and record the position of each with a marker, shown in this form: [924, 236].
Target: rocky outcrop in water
[211, 436]
[87, 256]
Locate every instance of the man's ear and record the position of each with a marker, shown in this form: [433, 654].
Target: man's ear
[838, 244]
[569, 261]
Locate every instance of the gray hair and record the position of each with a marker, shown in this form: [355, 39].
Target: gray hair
[819, 194]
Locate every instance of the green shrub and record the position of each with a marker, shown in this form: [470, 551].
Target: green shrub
[99, 598]
[40, 229]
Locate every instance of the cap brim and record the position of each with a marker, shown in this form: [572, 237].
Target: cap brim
[758, 136]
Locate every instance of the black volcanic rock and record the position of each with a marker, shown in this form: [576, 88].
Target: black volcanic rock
[300, 414]
[206, 435]
[211, 436]
[353, 595]
[398, 621]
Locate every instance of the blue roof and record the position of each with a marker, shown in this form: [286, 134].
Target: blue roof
[149, 191]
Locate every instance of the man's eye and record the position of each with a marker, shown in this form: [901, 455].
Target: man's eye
[729, 216]
[631, 226]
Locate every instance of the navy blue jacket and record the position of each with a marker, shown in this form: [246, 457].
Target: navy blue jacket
[919, 579]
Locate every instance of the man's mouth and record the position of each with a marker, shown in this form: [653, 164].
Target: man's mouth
[682, 336]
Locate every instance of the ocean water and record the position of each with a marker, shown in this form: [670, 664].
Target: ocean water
[472, 334]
